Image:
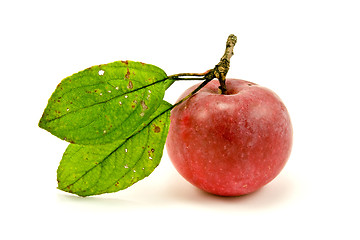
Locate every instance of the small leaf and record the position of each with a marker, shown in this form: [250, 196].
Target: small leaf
[104, 103]
[96, 169]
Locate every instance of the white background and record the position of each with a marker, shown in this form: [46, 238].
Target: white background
[308, 52]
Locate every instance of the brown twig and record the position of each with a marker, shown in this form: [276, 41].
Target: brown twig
[221, 69]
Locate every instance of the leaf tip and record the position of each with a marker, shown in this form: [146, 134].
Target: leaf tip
[42, 122]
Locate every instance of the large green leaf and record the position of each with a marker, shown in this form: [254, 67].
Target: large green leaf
[96, 169]
[104, 103]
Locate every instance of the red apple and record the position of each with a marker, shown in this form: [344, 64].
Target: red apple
[230, 144]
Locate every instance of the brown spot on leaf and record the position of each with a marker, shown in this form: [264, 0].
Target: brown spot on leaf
[150, 152]
[130, 85]
[125, 62]
[127, 75]
[156, 129]
[143, 105]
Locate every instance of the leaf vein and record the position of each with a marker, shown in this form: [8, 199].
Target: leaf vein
[72, 112]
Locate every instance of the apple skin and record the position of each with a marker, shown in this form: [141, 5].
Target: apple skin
[232, 144]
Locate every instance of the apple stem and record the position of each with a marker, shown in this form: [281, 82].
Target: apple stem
[222, 68]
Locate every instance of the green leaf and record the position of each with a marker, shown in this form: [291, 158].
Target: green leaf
[168, 83]
[96, 169]
[105, 102]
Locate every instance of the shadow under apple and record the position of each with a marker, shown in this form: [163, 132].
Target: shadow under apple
[275, 194]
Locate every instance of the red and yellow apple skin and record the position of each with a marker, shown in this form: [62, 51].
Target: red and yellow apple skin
[230, 144]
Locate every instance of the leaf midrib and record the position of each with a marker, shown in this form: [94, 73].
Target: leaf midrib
[117, 96]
